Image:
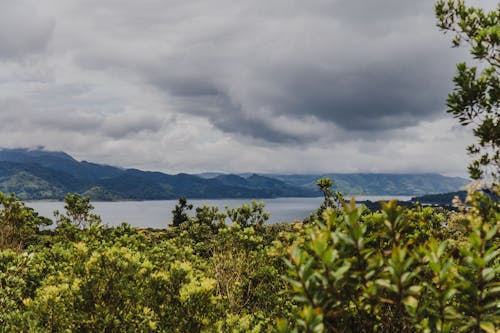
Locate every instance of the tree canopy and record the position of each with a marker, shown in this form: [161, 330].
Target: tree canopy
[475, 99]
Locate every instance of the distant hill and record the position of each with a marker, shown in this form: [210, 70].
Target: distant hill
[441, 198]
[35, 174]
[59, 161]
[381, 183]
[32, 181]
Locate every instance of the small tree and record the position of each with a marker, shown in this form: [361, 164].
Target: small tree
[331, 199]
[78, 212]
[248, 215]
[179, 214]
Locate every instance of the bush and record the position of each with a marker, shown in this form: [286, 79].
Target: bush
[405, 279]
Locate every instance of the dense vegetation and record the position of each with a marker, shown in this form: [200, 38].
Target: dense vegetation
[343, 269]
[348, 269]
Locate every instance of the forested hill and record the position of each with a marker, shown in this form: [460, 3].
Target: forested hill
[39, 174]
[382, 183]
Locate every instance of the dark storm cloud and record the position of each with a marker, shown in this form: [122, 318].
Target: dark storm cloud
[187, 86]
[370, 98]
[359, 65]
[231, 119]
[290, 82]
[365, 66]
[201, 98]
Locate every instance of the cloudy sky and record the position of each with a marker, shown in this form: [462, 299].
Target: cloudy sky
[223, 85]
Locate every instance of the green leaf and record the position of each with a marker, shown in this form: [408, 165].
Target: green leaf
[386, 284]
[319, 245]
[489, 327]
[339, 273]
[329, 256]
[415, 290]
[411, 302]
[488, 274]
[492, 232]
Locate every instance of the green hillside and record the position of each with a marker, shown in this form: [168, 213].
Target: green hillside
[381, 184]
[39, 174]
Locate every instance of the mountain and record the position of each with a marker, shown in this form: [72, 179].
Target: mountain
[40, 174]
[32, 181]
[59, 161]
[35, 174]
[381, 183]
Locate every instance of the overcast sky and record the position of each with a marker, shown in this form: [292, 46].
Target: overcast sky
[234, 86]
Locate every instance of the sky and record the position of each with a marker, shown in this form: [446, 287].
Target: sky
[232, 86]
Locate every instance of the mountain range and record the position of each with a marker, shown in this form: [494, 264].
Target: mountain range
[39, 174]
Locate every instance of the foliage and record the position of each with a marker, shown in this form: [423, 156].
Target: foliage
[476, 96]
[97, 278]
[179, 214]
[78, 212]
[348, 269]
[357, 271]
[248, 215]
[394, 270]
[18, 223]
[331, 199]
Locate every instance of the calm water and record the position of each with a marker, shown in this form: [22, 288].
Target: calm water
[156, 214]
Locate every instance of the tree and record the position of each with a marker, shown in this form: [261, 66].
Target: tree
[179, 214]
[475, 99]
[331, 199]
[248, 215]
[18, 224]
[78, 212]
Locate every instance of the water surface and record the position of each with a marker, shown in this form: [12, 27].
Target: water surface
[157, 214]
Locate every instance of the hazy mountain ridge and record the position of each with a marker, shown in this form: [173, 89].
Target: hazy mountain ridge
[39, 174]
[59, 161]
[381, 183]
[35, 174]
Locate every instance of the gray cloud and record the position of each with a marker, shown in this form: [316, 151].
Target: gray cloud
[369, 67]
[371, 98]
[124, 125]
[288, 83]
[22, 30]
[22, 116]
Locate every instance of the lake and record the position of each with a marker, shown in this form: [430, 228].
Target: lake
[156, 214]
